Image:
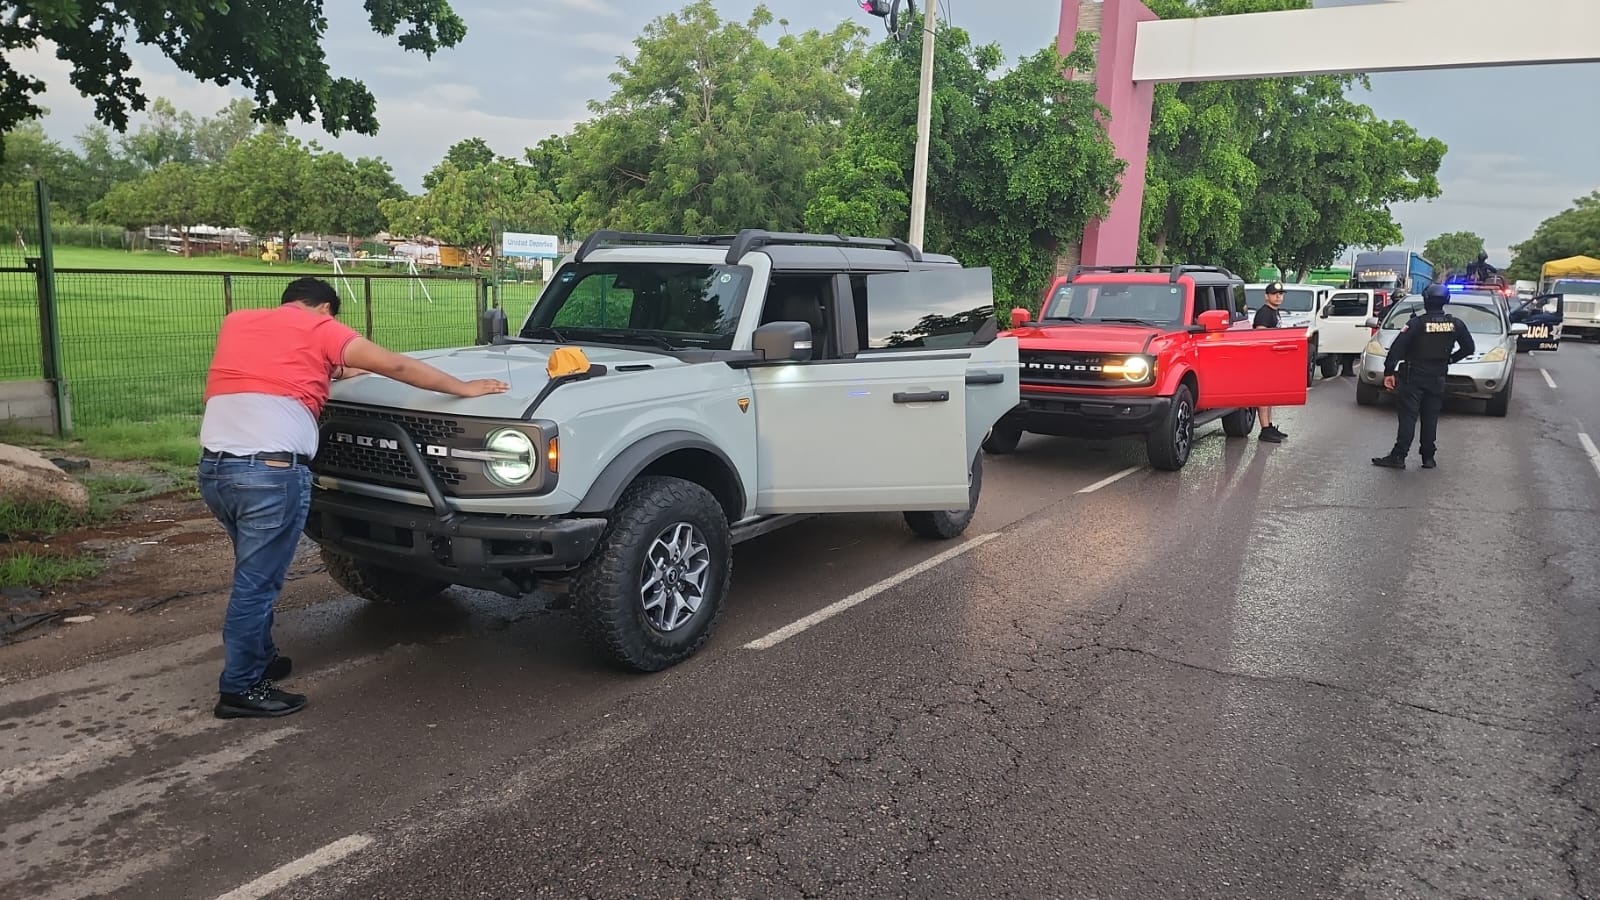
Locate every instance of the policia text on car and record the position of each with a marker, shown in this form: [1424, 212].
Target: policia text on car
[1421, 355]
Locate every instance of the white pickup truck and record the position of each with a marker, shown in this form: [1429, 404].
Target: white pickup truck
[1344, 332]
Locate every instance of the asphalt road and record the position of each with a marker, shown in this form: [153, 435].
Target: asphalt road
[1279, 673]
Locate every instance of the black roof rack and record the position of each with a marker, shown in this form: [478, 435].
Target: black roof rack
[743, 242]
[751, 238]
[1172, 272]
[607, 236]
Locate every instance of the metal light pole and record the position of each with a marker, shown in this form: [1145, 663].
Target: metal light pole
[919, 175]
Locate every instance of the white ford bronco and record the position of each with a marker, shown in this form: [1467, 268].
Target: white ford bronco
[670, 397]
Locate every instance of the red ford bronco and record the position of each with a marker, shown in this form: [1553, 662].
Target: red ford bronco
[1152, 351]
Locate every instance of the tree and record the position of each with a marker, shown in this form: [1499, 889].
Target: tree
[264, 45]
[1572, 232]
[471, 153]
[176, 194]
[215, 136]
[710, 129]
[1453, 251]
[1017, 163]
[266, 184]
[347, 197]
[468, 206]
[167, 137]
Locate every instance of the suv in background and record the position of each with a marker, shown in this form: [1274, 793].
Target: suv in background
[670, 397]
[1302, 304]
[1150, 351]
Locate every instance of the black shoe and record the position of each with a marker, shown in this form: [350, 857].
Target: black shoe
[1279, 432]
[1428, 463]
[264, 701]
[1390, 462]
[278, 669]
[1271, 436]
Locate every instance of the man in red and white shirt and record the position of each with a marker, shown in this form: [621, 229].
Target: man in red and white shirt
[267, 385]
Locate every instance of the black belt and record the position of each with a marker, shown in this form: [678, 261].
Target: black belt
[298, 459]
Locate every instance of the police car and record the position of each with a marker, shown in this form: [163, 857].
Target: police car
[1485, 375]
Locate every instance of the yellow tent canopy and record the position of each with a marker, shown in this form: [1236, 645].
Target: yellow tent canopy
[1571, 267]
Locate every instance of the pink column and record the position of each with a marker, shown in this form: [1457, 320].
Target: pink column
[1114, 240]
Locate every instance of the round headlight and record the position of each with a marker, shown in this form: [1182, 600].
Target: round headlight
[514, 471]
[1136, 368]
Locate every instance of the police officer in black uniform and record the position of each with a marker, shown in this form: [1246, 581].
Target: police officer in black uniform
[1424, 349]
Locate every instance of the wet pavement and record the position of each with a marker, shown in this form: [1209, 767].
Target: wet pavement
[1278, 673]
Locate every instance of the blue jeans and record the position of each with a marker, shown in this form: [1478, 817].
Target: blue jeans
[263, 508]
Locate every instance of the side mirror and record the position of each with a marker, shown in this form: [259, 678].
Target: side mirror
[1020, 317]
[1325, 311]
[783, 341]
[1519, 328]
[492, 327]
[1215, 320]
[1372, 322]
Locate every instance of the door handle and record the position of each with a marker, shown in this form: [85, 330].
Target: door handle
[1282, 348]
[986, 378]
[921, 396]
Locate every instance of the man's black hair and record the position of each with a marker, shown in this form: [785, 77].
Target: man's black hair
[312, 292]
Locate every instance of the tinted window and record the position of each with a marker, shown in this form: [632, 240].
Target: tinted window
[932, 309]
[1479, 319]
[682, 304]
[1159, 304]
[1349, 306]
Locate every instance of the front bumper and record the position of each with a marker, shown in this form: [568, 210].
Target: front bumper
[1479, 381]
[498, 553]
[1084, 414]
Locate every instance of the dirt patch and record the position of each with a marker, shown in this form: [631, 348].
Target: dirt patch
[154, 551]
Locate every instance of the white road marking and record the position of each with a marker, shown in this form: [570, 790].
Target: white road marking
[865, 594]
[1547, 379]
[1589, 448]
[1110, 479]
[305, 865]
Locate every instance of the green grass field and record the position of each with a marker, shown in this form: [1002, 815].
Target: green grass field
[137, 329]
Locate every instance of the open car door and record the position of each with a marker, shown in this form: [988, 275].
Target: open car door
[896, 426]
[1250, 367]
[1543, 315]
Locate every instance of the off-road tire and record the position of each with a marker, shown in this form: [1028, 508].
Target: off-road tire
[1240, 422]
[1330, 366]
[1171, 441]
[1366, 394]
[1002, 440]
[606, 588]
[1500, 403]
[947, 524]
[370, 581]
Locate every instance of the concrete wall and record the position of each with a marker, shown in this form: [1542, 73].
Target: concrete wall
[31, 405]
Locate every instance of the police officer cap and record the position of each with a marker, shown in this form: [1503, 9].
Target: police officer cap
[1435, 296]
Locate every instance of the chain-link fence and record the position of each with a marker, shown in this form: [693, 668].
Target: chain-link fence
[136, 344]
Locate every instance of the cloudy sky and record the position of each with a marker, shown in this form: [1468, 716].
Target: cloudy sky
[528, 69]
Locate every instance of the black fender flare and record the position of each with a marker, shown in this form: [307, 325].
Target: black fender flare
[607, 489]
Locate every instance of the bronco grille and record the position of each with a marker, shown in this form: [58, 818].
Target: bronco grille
[1068, 368]
[366, 456]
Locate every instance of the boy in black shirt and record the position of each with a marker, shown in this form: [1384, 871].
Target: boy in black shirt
[1267, 317]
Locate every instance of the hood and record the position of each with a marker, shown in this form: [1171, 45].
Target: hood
[520, 365]
[1483, 343]
[1089, 338]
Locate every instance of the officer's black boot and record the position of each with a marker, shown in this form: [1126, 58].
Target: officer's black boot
[1428, 463]
[1390, 462]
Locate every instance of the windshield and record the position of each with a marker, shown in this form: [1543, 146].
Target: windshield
[1153, 304]
[1295, 300]
[1562, 286]
[1479, 320]
[667, 305]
